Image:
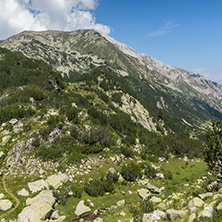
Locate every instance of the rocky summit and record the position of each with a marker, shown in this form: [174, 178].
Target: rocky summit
[91, 130]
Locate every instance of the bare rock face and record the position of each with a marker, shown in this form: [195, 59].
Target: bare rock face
[39, 208]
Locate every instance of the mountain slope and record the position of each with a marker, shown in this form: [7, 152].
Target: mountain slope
[183, 94]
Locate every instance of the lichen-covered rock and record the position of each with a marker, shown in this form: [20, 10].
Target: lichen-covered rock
[37, 185]
[81, 208]
[40, 207]
[57, 180]
[5, 205]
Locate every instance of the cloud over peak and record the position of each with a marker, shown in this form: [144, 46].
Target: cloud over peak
[168, 27]
[38, 15]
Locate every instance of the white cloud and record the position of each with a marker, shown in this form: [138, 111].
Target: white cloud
[67, 15]
[168, 27]
[202, 71]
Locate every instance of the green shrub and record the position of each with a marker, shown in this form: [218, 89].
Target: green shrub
[149, 171]
[131, 171]
[126, 151]
[145, 206]
[95, 188]
[63, 193]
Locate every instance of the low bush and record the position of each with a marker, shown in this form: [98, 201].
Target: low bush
[131, 171]
[67, 189]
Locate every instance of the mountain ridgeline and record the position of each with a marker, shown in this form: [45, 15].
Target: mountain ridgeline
[188, 97]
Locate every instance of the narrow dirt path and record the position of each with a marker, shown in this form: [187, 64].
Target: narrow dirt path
[11, 195]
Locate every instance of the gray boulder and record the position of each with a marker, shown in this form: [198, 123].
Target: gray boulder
[5, 205]
[208, 210]
[153, 189]
[81, 208]
[143, 193]
[155, 216]
[195, 203]
[205, 195]
[37, 185]
[57, 180]
[23, 193]
[172, 214]
[39, 207]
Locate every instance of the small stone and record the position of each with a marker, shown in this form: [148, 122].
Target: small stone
[143, 193]
[13, 121]
[160, 175]
[123, 214]
[192, 217]
[1, 195]
[155, 200]
[98, 219]
[23, 192]
[121, 203]
[5, 140]
[205, 195]
[1, 153]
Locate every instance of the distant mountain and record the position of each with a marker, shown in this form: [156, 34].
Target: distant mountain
[186, 96]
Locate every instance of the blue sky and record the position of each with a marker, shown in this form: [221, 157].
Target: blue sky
[183, 33]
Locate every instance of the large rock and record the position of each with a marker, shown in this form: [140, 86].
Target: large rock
[172, 214]
[23, 193]
[153, 189]
[57, 180]
[5, 205]
[37, 185]
[40, 207]
[208, 210]
[81, 208]
[195, 203]
[143, 193]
